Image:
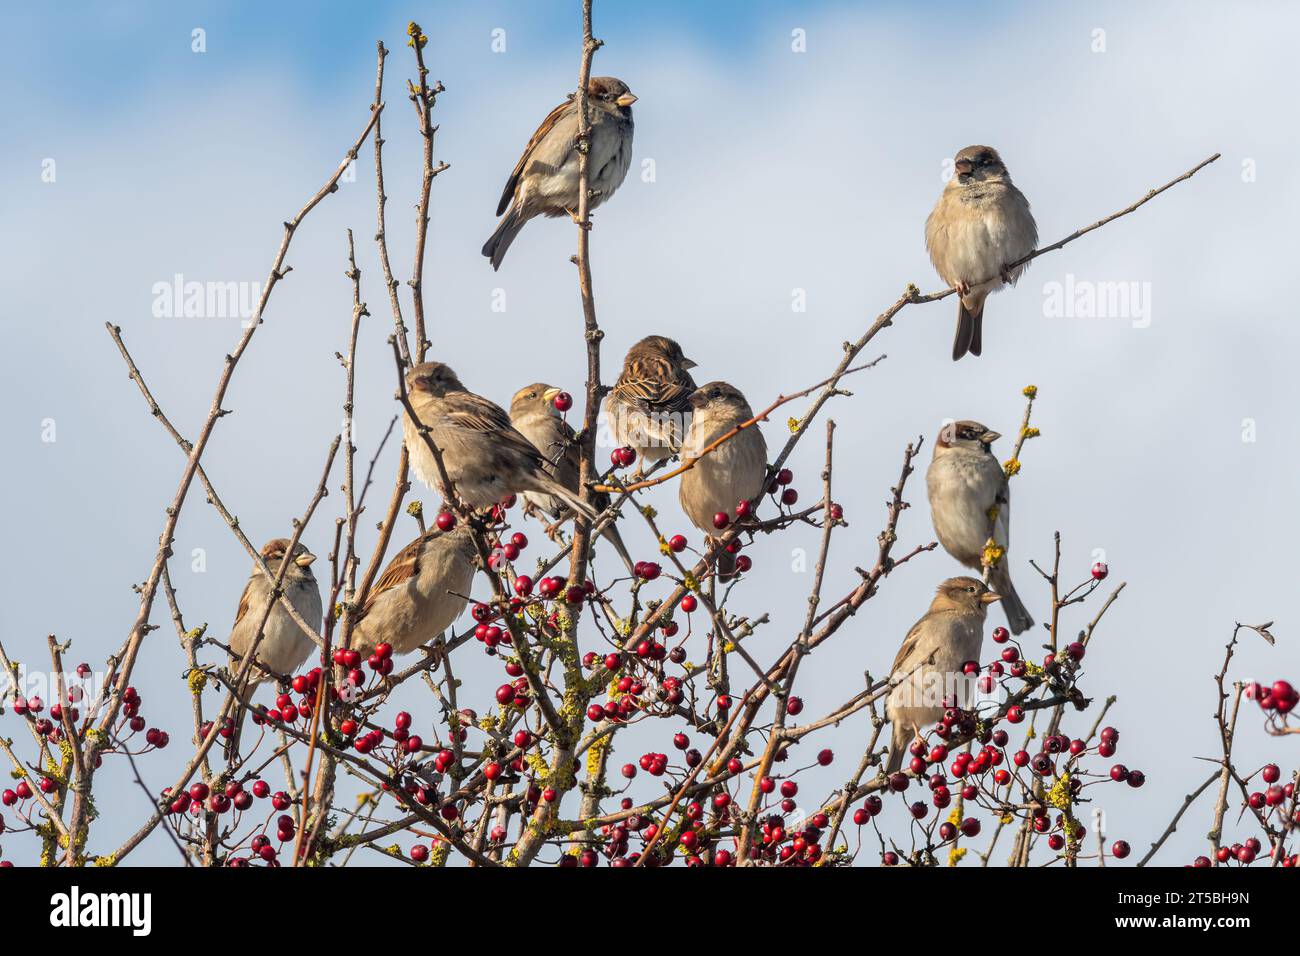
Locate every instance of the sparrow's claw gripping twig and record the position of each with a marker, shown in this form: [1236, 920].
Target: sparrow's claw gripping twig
[963, 288]
[1006, 273]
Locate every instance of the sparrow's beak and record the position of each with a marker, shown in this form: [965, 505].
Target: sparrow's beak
[304, 560]
[550, 393]
[990, 436]
[963, 166]
[687, 363]
[627, 99]
[989, 597]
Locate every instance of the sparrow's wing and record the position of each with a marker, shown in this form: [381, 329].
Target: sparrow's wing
[909, 647]
[548, 124]
[653, 384]
[1002, 526]
[993, 482]
[568, 464]
[245, 600]
[476, 413]
[404, 566]
[238, 637]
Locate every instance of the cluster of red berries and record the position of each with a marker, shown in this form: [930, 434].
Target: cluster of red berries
[23, 791]
[777, 845]
[131, 703]
[514, 694]
[1276, 794]
[286, 710]
[1280, 696]
[404, 741]
[970, 766]
[780, 485]
[1240, 853]
[509, 550]
[261, 846]
[233, 796]
[51, 727]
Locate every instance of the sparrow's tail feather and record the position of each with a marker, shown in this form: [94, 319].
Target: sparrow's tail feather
[898, 744]
[1018, 619]
[232, 745]
[724, 563]
[552, 487]
[977, 333]
[969, 331]
[495, 248]
[613, 537]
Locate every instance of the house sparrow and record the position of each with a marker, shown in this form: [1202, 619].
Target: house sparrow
[545, 180]
[979, 226]
[420, 594]
[485, 457]
[731, 473]
[951, 631]
[966, 483]
[649, 405]
[533, 413]
[284, 646]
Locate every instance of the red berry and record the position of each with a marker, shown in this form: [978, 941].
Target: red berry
[721, 519]
[562, 402]
[1099, 571]
[445, 521]
[677, 543]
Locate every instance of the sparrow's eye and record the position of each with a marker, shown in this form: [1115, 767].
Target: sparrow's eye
[971, 589]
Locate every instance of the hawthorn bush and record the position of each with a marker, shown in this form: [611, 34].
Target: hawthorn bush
[544, 767]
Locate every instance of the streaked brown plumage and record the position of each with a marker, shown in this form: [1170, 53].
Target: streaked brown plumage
[485, 456]
[533, 413]
[545, 180]
[951, 632]
[284, 646]
[731, 473]
[980, 225]
[649, 406]
[420, 594]
[966, 487]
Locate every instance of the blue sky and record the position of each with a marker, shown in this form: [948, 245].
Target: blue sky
[774, 172]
